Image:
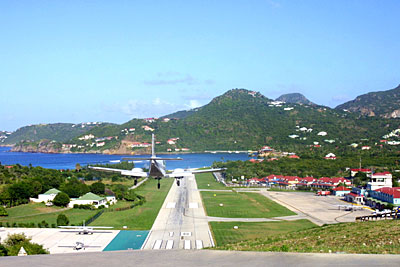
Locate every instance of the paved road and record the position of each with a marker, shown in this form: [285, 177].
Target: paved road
[181, 222]
[199, 258]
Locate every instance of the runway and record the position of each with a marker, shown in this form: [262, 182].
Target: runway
[181, 222]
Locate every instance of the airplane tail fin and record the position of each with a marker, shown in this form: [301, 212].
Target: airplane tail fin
[153, 154]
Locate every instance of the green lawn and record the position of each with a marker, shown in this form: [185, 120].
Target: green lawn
[37, 212]
[207, 181]
[224, 233]
[242, 205]
[141, 217]
[29, 209]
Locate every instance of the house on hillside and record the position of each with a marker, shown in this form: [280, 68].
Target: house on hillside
[353, 172]
[330, 156]
[46, 197]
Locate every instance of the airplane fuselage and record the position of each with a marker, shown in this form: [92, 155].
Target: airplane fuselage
[157, 168]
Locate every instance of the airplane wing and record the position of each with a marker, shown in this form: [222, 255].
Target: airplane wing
[86, 227]
[137, 172]
[208, 170]
[181, 172]
[106, 169]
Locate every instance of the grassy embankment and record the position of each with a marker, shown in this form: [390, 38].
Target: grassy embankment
[359, 237]
[37, 212]
[141, 217]
[225, 234]
[207, 181]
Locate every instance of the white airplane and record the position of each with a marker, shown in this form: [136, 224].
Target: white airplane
[157, 168]
[85, 230]
[79, 245]
[349, 207]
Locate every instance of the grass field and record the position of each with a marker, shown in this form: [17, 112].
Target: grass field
[242, 205]
[37, 212]
[141, 217]
[207, 181]
[224, 233]
[378, 237]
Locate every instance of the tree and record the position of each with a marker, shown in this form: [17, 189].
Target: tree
[62, 220]
[3, 211]
[130, 195]
[61, 199]
[14, 242]
[98, 188]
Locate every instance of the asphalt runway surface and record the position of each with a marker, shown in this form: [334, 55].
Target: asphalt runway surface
[175, 258]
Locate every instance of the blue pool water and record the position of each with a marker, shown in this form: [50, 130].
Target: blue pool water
[126, 240]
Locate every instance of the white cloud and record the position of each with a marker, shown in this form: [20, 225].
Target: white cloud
[193, 104]
[154, 108]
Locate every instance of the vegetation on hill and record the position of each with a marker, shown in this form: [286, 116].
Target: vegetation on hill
[295, 98]
[382, 104]
[60, 132]
[237, 120]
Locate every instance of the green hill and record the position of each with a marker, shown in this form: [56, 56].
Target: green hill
[384, 104]
[60, 132]
[237, 120]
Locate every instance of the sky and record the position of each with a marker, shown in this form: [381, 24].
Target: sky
[111, 61]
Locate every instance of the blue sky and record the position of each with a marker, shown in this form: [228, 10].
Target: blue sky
[79, 61]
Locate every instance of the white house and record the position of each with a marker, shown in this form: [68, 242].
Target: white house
[48, 196]
[330, 156]
[89, 199]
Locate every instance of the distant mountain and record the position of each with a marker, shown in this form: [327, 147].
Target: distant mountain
[384, 104]
[296, 98]
[60, 132]
[239, 119]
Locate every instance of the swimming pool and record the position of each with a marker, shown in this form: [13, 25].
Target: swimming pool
[126, 240]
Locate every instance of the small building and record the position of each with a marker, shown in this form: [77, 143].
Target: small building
[382, 196]
[355, 171]
[380, 180]
[89, 199]
[46, 197]
[341, 191]
[330, 156]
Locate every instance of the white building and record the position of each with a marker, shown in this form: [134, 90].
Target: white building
[380, 180]
[89, 199]
[48, 196]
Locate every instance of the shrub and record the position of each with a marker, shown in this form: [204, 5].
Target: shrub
[62, 199]
[3, 211]
[62, 220]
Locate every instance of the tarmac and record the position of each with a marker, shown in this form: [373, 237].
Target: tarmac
[181, 222]
[318, 209]
[175, 258]
[61, 240]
